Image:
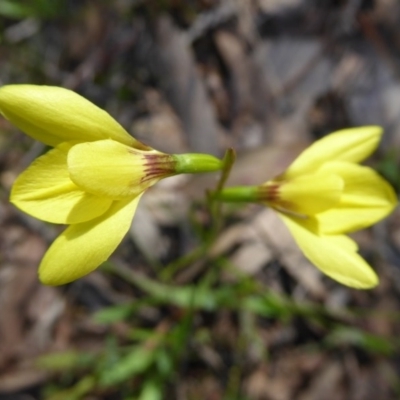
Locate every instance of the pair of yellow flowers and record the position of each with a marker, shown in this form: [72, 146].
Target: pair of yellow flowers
[96, 172]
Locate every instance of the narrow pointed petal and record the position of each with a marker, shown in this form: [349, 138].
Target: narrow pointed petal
[367, 198]
[109, 168]
[46, 192]
[54, 115]
[335, 256]
[352, 145]
[308, 195]
[81, 248]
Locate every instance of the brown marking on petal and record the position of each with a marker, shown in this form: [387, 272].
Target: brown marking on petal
[157, 166]
[270, 194]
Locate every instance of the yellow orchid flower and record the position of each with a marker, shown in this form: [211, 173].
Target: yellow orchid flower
[91, 180]
[325, 194]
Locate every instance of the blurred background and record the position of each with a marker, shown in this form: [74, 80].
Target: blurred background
[184, 310]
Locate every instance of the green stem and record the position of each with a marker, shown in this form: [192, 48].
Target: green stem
[194, 163]
[214, 206]
[238, 194]
[227, 163]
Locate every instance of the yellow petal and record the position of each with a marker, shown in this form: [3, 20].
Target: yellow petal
[109, 168]
[335, 256]
[345, 242]
[308, 195]
[46, 192]
[352, 145]
[367, 198]
[81, 248]
[54, 115]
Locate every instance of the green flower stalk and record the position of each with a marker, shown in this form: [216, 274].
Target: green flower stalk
[92, 179]
[325, 194]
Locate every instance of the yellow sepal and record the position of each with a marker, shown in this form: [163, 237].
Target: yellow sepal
[334, 255]
[309, 194]
[367, 198]
[111, 169]
[352, 145]
[81, 248]
[45, 191]
[54, 115]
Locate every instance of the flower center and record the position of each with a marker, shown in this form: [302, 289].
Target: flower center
[303, 196]
[108, 168]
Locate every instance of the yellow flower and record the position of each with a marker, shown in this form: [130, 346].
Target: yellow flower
[91, 180]
[325, 194]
